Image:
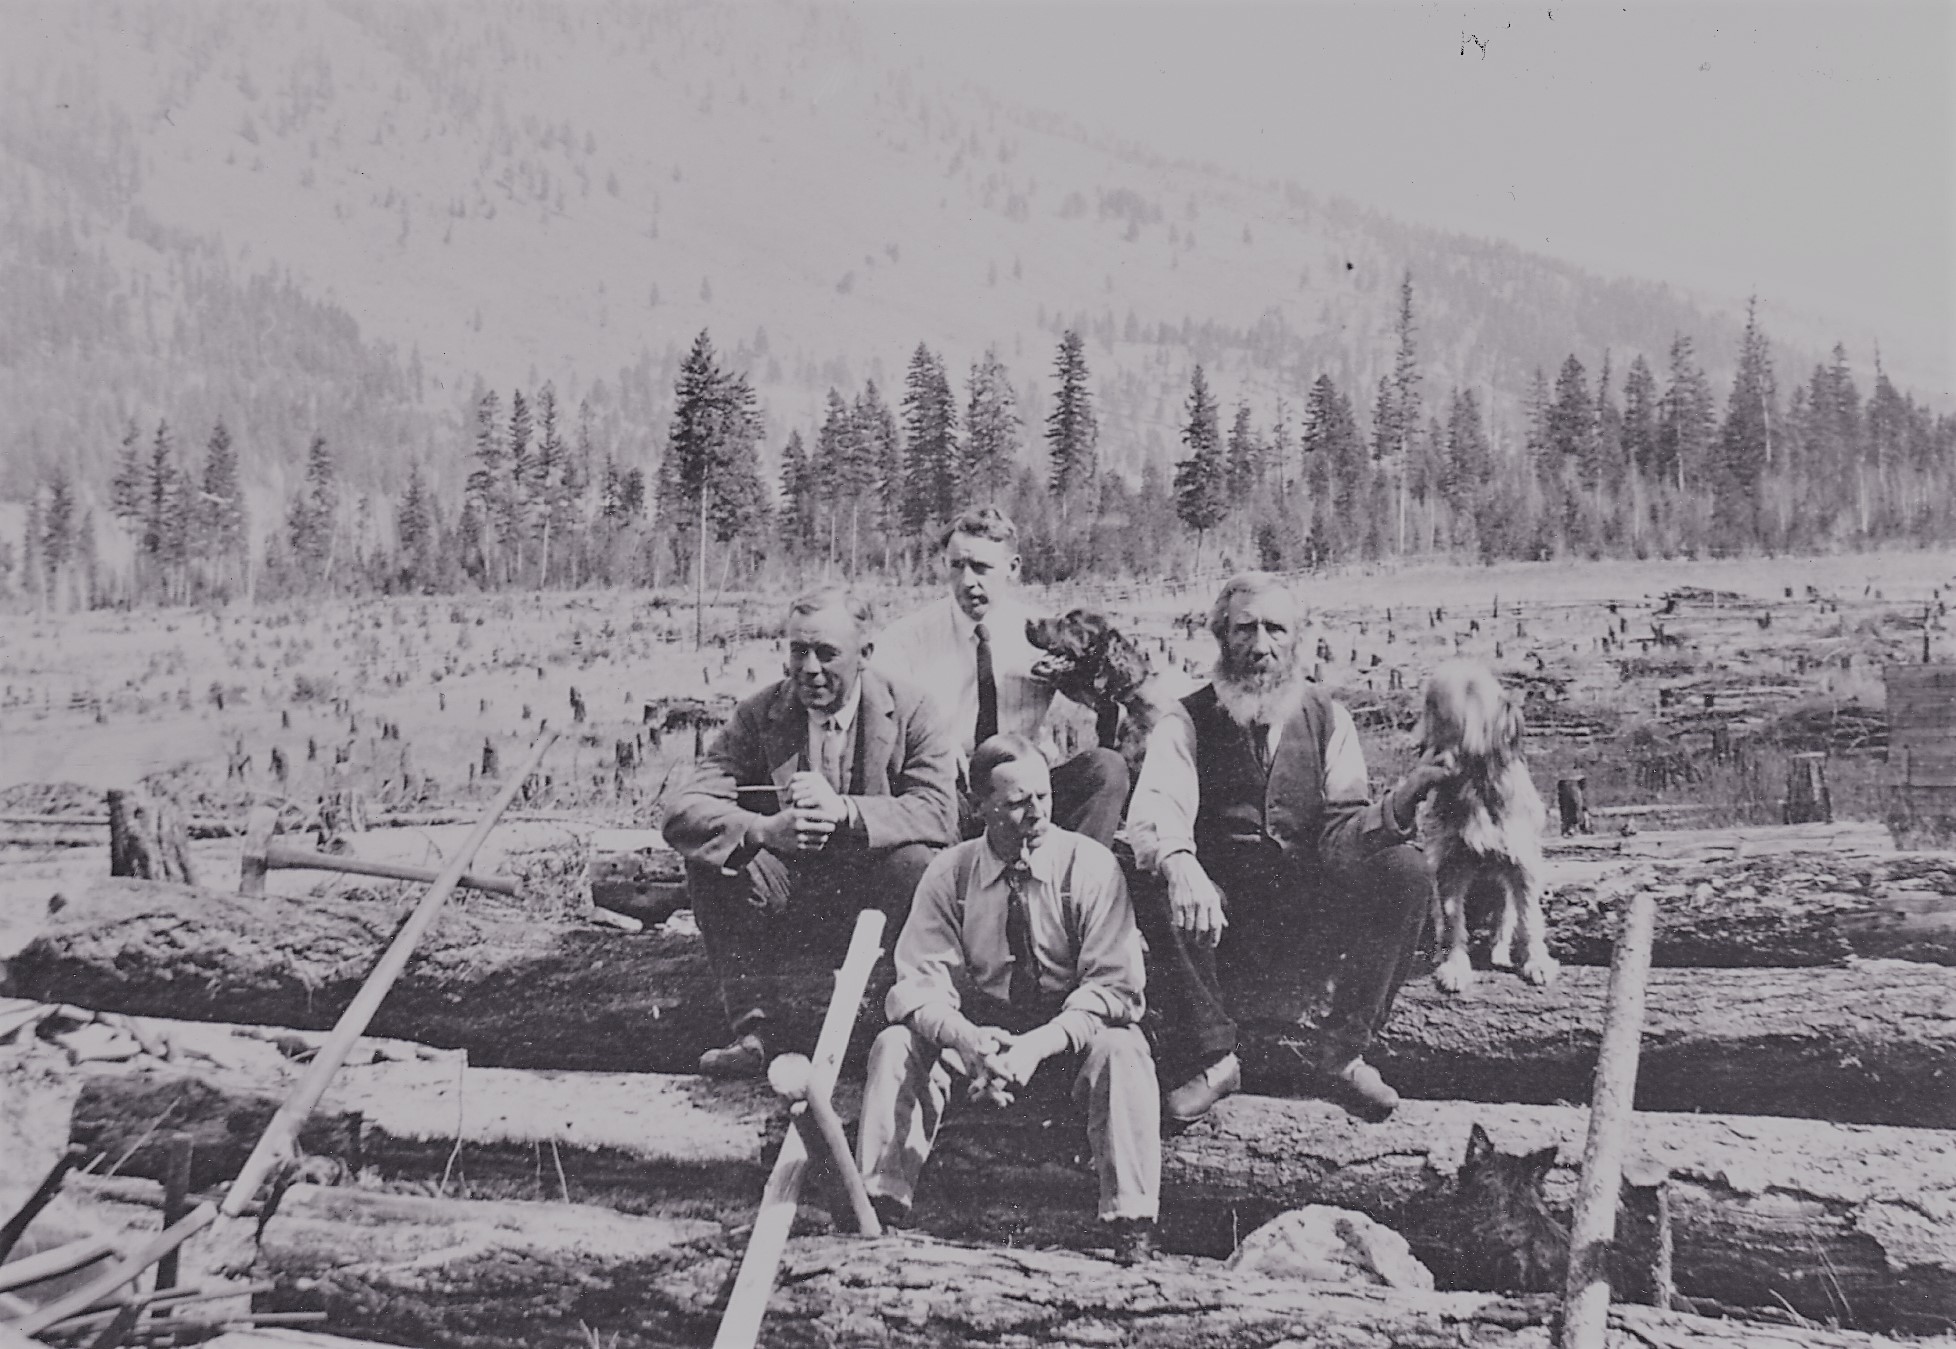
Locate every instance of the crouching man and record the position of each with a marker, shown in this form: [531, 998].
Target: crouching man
[1020, 971]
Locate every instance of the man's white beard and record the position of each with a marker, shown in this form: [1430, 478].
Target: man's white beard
[1268, 700]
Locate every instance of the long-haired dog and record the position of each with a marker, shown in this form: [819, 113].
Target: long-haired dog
[1482, 826]
[1096, 665]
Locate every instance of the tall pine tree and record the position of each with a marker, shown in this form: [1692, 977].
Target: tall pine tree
[930, 431]
[1202, 479]
[1072, 430]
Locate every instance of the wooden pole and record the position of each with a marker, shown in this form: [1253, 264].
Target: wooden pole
[176, 1200]
[276, 1142]
[747, 1303]
[1586, 1299]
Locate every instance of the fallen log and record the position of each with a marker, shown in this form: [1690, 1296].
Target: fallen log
[1866, 1045]
[1781, 909]
[441, 1273]
[1765, 1212]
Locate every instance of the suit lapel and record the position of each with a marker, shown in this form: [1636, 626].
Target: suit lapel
[877, 727]
[787, 738]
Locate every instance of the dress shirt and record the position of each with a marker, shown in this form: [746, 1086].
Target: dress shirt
[953, 940]
[840, 723]
[1161, 817]
[936, 648]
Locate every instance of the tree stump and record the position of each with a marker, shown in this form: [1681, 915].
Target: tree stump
[1572, 803]
[1807, 799]
[149, 838]
[488, 758]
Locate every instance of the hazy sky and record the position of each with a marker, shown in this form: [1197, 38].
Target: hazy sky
[1807, 150]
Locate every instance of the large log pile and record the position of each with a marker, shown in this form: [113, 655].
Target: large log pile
[444, 1273]
[1869, 1044]
[1764, 1211]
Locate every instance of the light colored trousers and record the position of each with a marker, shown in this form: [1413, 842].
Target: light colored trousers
[909, 1083]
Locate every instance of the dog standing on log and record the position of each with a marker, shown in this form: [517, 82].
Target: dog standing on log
[1096, 665]
[1484, 824]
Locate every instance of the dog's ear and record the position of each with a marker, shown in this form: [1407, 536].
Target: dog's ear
[1479, 1147]
[1536, 1165]
[1513, 722]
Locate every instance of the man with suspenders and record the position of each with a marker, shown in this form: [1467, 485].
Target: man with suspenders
[1020, 970]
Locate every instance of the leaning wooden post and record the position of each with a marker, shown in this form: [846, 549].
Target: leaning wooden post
[1586, 1299]
[747, 1303]
[276, 1143]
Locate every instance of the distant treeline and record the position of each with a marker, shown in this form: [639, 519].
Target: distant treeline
[1646, 465]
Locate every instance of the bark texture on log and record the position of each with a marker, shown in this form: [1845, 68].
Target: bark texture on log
[1784, 909]
[1764, 1211]
[1865, 1045]
[442, 1273]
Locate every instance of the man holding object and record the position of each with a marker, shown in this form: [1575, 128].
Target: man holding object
[862, 799]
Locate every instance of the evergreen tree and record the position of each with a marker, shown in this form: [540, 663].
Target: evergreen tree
[1605, 467]
[488, 487]
[127, 495]
[1640, 418]
[838, 452]
[312, 515]
[1072, 430]
[58, 526]
[222, 521]
[930, 429]
[797, 516]
[882, 450]
[1245, 459]
[414, 528]
[515, 502]
[710, 476]
[1406, 410]
[549, 504]
[1202, 479]
[1684, 418]
[1469, 460]
[991, 432]
[1571, 416]
[1742, 455]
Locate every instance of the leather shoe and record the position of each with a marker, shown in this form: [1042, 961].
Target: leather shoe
[1134, 1240]
[745, 1057]
[1358, 1087]
[1197, 1096]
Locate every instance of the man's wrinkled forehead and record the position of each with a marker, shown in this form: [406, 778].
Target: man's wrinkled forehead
[1272, 606]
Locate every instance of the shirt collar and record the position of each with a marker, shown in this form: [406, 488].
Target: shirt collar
[845, 715]
[1043, 860]
[1002, 611]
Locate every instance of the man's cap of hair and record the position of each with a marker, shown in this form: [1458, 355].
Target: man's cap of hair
[1243, 583]
[1004, 748]
[833, 597]
[984, 522]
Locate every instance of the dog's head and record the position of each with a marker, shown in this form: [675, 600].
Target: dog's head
[1469, 715]
[1087, 658]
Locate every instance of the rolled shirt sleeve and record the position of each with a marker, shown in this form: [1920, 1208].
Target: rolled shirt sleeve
[930, 963]
[1161, 817]
[1109, 970]
[1355, 826]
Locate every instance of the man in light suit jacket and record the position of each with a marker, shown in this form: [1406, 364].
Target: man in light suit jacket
[970, 651]
[827, 792]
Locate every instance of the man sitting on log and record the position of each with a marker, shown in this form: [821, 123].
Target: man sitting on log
[1020, 969]
[1251, 807]
[827, 792]
[970, 650]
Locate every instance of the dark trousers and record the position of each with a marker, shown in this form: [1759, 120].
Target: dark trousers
[1353, 931]
[759, 952]
[1089, 797]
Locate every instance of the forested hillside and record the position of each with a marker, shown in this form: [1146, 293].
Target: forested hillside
[353, 234]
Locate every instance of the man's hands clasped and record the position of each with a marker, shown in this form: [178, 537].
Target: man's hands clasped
[1002, 1063]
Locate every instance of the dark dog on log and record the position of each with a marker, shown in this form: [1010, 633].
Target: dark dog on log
[1506, 1240]
[1484, 824]
[1096, 665]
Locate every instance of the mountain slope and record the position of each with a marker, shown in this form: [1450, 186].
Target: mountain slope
[344, 215]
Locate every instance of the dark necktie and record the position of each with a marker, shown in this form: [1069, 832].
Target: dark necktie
[1018, 938]
[1260, 744]
[987, 691]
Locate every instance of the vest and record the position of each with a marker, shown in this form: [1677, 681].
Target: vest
[1239, 804]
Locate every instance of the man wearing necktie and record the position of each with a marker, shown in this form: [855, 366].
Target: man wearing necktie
[970, 653]
[1266, 858]
[1019, 970]
[827, 792]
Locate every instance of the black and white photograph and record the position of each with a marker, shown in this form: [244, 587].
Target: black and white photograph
[977, 674]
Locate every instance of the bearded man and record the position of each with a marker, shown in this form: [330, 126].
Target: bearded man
[1252, 809]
